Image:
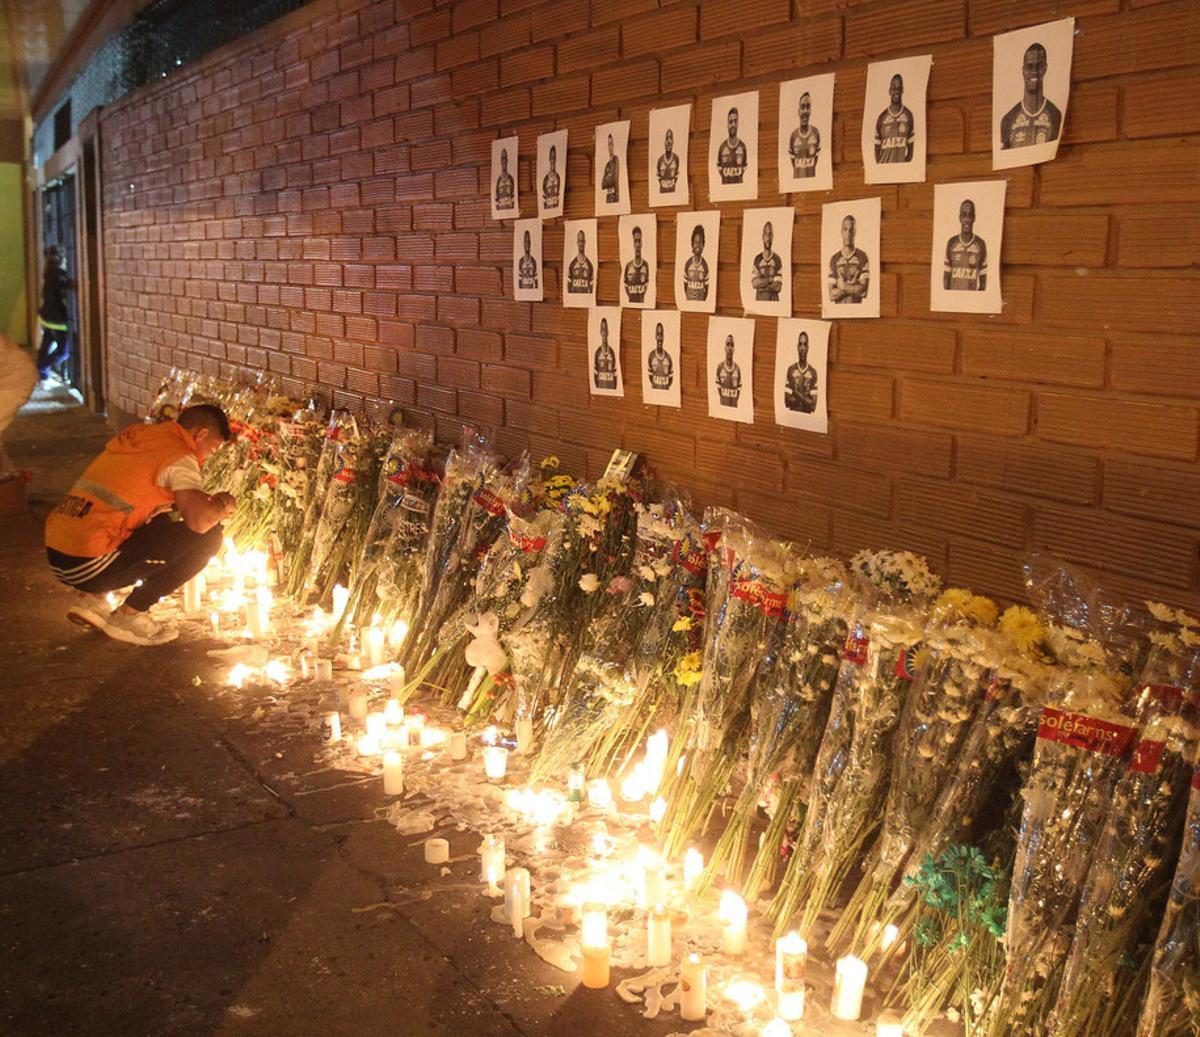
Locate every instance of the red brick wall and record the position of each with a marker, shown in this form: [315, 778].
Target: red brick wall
[312, 201]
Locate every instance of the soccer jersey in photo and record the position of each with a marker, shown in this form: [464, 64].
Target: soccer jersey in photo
[527, 275]
[636, 278]
[612, 180]
[800, 388]
[731, 161]
[695, 280]
[580, 276]
[966, 263]
[847, 272]
[662, 371]
[767, 280]
[894, 136]
[668, 172]
[804, 149]
[551, 186]
[729, 383]
[604, 367]
[1022, 129]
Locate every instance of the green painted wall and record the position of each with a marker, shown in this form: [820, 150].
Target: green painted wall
[12, 255]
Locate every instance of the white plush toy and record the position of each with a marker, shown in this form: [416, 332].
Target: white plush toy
[484, 649]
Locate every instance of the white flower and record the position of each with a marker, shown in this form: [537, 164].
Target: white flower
[589, 583]
[646, 598]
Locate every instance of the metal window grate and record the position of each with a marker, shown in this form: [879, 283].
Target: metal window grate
[164, 36]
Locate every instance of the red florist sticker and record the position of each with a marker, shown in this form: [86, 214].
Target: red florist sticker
[855, 648]
[755, 592]
[490, 503]
[1147, 755]
[1084, 732]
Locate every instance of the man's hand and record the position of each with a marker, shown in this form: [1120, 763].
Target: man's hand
[201, 511]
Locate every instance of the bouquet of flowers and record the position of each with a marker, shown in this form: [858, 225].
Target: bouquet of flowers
[1132, 859]
[750, 579]
[850, 775]
[1172, 1004]
[385, 575]
[949, 683]
[604, 697]
[788, 711]
[298, 445]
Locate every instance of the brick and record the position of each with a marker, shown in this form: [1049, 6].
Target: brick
[561, 95]
[897, 347]
[859, 394]
[729, 17]
[1121, 544]
[459, 374]
[1163, 37]
[672, 27]
[1055, 239]
[1123, 175]
[1029, 468]
[636, 79]
[469, 14]
[973, 563]
[1159, 430]
[604, 11]
[526, 66]
[1158, 365]
[880, 448]
[1057, 359]
[954, 404]
[1167, 493]
[699, 66]
[798, 45]
[873, 29]
[1170, 305]
[996, 16]
[1157, 241]
[1161, 107]
[944, 505]
[843, 486]
[589, 50]
[506, 381]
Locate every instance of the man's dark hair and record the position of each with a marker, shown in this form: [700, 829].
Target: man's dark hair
[209, 416]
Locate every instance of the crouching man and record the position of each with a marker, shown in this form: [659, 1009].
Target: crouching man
[113, 530]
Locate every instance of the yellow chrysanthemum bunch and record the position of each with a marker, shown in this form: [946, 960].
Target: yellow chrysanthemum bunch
[960, 603]
[687, 670]
[1021, 626]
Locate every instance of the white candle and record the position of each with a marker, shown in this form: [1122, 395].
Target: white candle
[693, 868]
[890, 935]
[524, 735]
[791, 960]
[368, 746]
[658, 936]
[458, 746]
[376, 724]
[393, 713]
[593, 942]
[693, 988]
[191, 595]
[777, 1028]
[437, 851]
[599, 794]
[658, 810]
[263, 600]
[358, 705]
[397, 682]
[491, 861]
[376, 646]
[654, 881]
[495, 762]
[341, 598]
[397, 632]
[331, 726]
[414, 725]
[324, 669]
[215, 619]
[849, 980]
[733, 914]
[306, 665]
[516, 893]
[393, 773]
[889, 1025]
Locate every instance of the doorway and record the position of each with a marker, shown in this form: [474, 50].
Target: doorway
[58, 228]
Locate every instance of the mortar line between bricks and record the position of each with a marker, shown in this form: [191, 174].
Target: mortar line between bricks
[119, 850]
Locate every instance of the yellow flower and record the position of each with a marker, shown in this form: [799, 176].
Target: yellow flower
[1023, 628]
[687, 670]
[683, 623]
[549, 462]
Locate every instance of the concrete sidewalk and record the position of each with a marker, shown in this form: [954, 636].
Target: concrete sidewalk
[166, 866]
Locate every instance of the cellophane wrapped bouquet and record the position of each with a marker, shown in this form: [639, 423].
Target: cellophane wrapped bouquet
[852, 765]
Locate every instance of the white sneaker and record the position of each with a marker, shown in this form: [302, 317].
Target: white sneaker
[137, 629]
[88, 610]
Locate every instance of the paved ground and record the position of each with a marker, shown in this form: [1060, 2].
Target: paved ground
[163, 871]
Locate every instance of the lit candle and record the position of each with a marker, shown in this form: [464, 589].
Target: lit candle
[516, 893]
[375, 641]
[397, 682]
[889, 1025]
[376, 723]
[524, 735]
[358, 705]
[491, 861]
[263, 600]
[777, 1028]
[393, 773]
[849, 980]
[693, 868]
[397, 632]
[654, 882]
[325, 670]
[599, 794]
[890, 935]
[331, 726]
[733, 914]
[458, 746]
[791, 959]
[214, 618]
[191, 595]
[495, 762]
[368, 746]
[341, 598]
[593, 942]
[658, 810]
[306, 665]
[414, 725]
[393, 713]
[658, 936]
[437, 851]
[693, 988]
[633, 789]
[576, 780]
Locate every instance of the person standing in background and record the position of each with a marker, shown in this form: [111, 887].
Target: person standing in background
[55, 350]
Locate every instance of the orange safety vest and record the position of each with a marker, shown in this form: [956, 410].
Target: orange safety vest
[118, 492]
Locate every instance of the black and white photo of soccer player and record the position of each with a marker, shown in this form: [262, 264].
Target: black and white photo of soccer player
[731, 368]
[801, 348]
[893, 135]
[504, 181]
[765, 267]
[579, 263]
[733, 148]
[604, 349]
[638, 247]
[696, 261]
[668, 154]
[660, 358]
[527, 260]
[968, 219]
[551, 183]
[1031, 79]
[850, 240]
[805, 130]
[611, 172]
